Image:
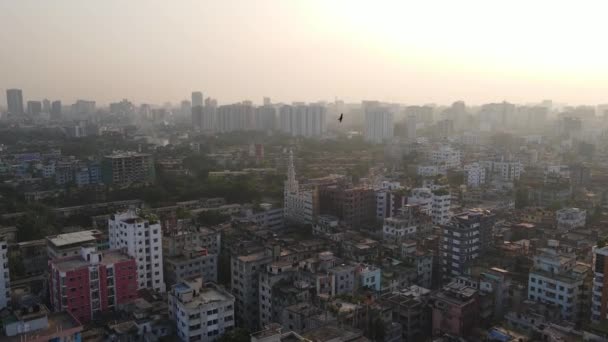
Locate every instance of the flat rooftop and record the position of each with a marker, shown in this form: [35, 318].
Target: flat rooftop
[67, 239]
[76, 262]
[59, 322]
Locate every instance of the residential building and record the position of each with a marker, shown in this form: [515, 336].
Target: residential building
[455, 310]
[557, 278]
[5, 278]
[265, 118]
[92, 283]
[34, 108]
[410, 308]
[446, 156]
[14, 101]
[128, 167]
[390, 198]
[440, 206]
[235, 117]
[246, 270]
[599, 296]
[35, 323]
[303, 120]
[202, 312]
[406, 224]
[370, 276]
[570, 218]
[465, 237]
[139, 234]
[69, 244]
[475, 175]
[378, 126]
[197, 99]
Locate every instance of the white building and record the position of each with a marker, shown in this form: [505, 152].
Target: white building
[423, 197]
[405, 225]
[5, 286]
[427, 170]
[447, 156]
[556, 278]
[140, 235]
[570, 218]
[475, 174]
[370, 276]
[379, 125]
[389, 199]
[299, 204]
[440, 212]
[507, 171]
[201, 312]
[303, 120]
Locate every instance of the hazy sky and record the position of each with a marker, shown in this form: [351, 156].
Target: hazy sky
[402, 51]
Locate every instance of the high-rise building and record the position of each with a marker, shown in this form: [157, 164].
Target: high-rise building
[303, 120]
[378, 126]
[83, 107]
[5, 286]
[246, 271]
[599, 296]
[92, 283]
[202, 312]
[56, 110]
[197, 99]
[465, 237]
[128, 167]
[265, 118]
[46, 106]
[34, 108]
[139, 234]
[14, 101]
[235, 117]
[185, 108]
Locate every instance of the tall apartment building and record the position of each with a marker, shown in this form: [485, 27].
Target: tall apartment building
[440, 206]
[34, 108]
[556, 278]
[378, 126]
[197, 99]
[202, 312]
[56, 110]
[14, 101]
[128, 167]
[265, 118]
[599, 296]
[140, 235]
[246, 270]
[465, 237]
[5, 279]
[303, 120]
[504, 170]
[235, 117]
[455, 310]
[475, 175]
[189, 253]
[92, 283]
[390, 198]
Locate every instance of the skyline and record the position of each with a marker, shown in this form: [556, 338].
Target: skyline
[403, 52]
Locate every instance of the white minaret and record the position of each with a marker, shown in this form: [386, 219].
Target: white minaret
[291, 186]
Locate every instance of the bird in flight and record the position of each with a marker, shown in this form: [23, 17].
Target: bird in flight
[341, 117]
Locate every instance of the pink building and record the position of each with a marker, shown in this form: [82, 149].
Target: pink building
[455, 310]
[92, 282]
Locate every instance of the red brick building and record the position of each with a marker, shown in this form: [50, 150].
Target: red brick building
[92, 282]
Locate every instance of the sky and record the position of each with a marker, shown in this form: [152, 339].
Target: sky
[413, 52]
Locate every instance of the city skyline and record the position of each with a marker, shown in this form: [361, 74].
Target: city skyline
[403, 52]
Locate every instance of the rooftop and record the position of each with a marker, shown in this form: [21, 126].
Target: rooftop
[75, 262]
[63, 240]
[59, 323]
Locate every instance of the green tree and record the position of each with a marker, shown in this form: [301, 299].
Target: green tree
[236, 335]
